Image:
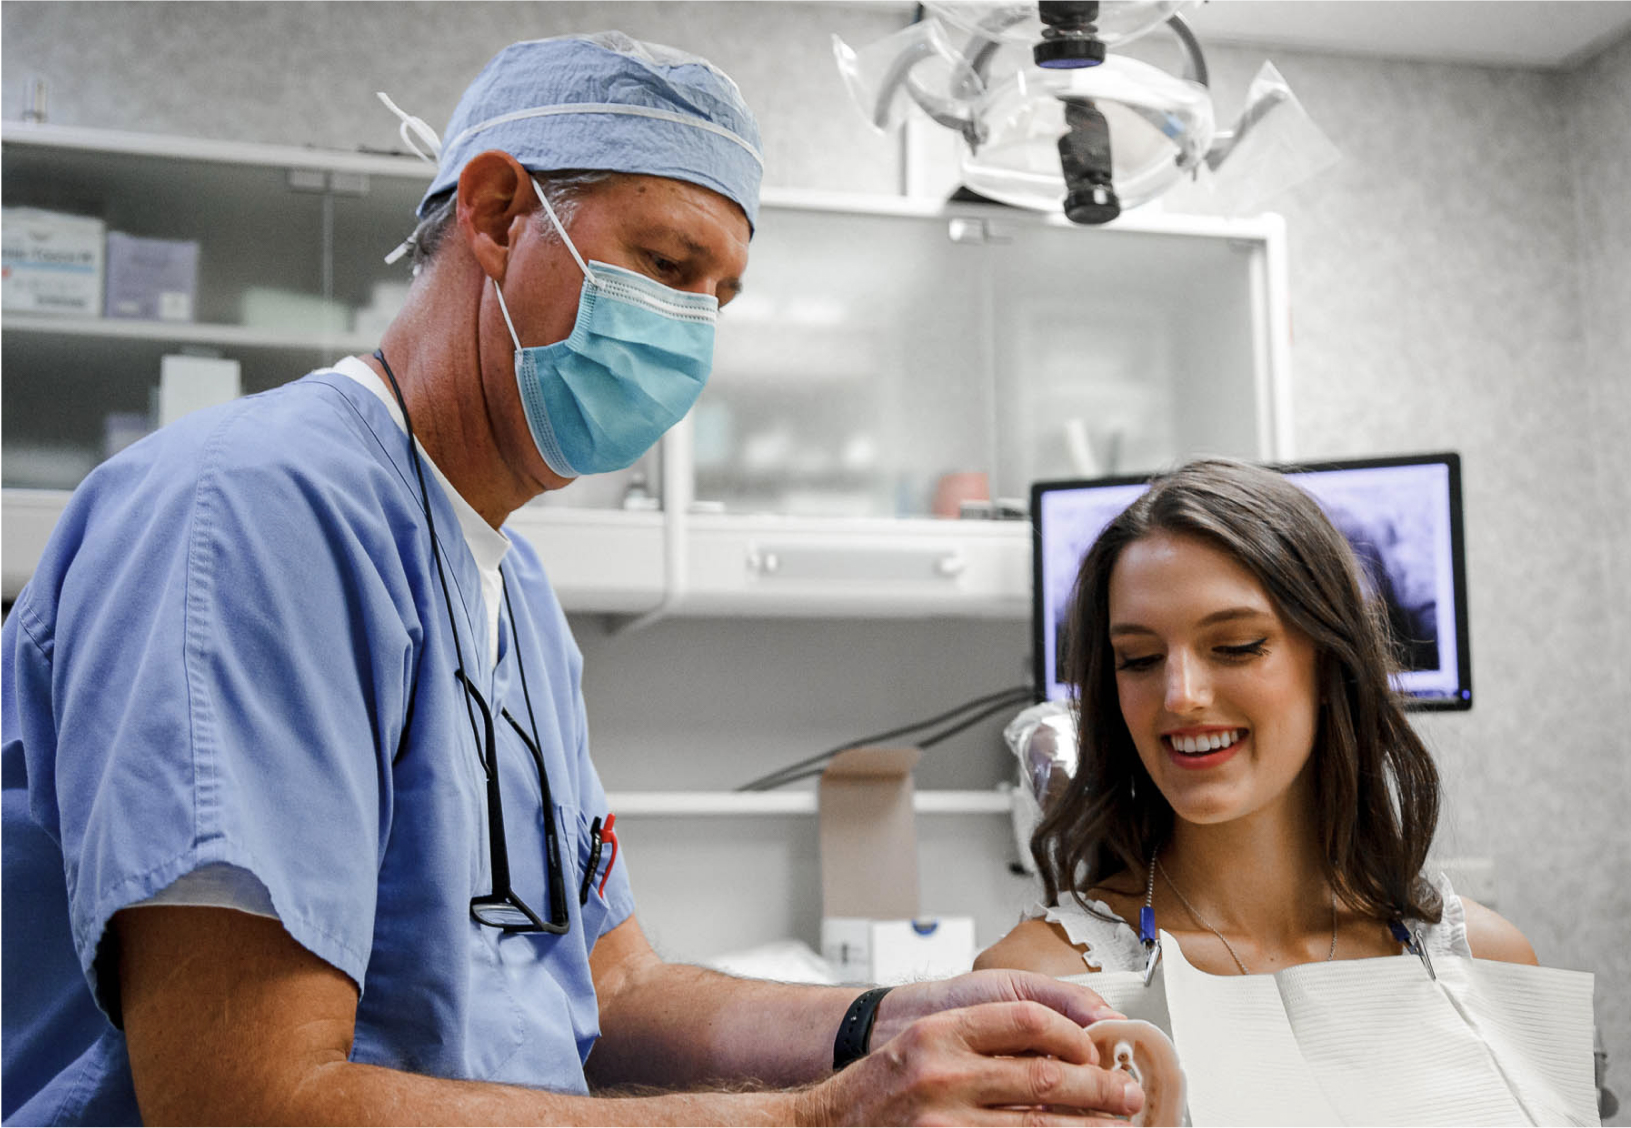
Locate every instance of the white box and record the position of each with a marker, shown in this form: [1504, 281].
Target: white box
[289, 311]
[888, 952]
[187, 383]
[50, 262]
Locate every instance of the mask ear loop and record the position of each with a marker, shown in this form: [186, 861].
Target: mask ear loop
[560, 230]
[409, 127]
[555, 219]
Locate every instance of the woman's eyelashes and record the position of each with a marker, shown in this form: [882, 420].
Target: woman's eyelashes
[1245, 649]
[1231, 652]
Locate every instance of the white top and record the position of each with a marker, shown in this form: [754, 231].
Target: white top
[1111, 944]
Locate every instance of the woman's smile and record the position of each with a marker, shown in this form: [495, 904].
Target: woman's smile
[1195, 749]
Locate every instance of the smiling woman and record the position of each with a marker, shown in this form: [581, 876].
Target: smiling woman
[1246, 775]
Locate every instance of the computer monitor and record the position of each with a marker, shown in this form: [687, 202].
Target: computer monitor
[1402, 515]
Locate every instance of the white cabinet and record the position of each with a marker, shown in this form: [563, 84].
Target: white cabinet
[887, 360]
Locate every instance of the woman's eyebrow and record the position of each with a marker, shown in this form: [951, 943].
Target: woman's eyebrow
[1229, 614]
[1226, 615]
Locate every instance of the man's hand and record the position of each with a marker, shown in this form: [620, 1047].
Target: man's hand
[905, 1005]
[1019, 1062]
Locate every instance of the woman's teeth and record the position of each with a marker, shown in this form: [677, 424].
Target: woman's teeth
[1207, 742]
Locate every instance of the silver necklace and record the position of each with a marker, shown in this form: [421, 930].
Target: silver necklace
[1149, 904]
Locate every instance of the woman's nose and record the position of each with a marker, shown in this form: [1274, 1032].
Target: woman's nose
[1187, 686]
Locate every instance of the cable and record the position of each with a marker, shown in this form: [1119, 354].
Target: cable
[763, 784]
[928, 742]
[988, 704]
[773, 779]
[952, 730]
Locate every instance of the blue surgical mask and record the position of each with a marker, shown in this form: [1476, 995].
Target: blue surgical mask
[635, 362]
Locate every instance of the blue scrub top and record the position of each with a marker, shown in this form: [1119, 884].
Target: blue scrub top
[235, 650]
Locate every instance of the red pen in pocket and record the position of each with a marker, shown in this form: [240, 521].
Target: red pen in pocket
[598, 835]
[608, 835]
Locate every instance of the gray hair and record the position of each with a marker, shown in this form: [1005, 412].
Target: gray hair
[564, 191]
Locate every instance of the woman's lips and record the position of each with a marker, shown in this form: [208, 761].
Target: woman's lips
[1197, 751]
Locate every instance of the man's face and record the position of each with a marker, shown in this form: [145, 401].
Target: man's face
[680, 234]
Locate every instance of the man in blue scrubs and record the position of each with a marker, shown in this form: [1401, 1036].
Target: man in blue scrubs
[300, 823]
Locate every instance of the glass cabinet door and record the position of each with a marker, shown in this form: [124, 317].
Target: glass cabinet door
[290, 276]
[76, 382]
[1120, 352]
[897, 365]
[850, 377]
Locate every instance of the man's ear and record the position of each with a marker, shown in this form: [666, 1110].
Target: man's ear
[494, 197]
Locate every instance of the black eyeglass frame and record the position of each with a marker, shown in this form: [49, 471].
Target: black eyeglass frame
[490, 909]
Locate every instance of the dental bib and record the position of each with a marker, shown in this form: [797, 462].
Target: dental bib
[1373, 1041]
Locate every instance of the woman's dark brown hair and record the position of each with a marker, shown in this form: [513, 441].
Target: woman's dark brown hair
[1376, 791]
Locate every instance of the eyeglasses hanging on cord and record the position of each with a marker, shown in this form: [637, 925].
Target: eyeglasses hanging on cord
[984, 706]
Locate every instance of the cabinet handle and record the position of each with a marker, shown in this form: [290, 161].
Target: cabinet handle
[826, 564]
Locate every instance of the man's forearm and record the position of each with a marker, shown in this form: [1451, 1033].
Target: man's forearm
[681, 1026]
[349, 1093]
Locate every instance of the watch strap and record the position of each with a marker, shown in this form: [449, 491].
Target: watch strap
[855, 1032]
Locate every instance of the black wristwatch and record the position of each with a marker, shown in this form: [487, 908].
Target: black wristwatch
[855, 1032]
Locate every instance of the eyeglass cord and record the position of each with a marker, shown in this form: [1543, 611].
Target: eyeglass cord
[435, 550]
[551, 832]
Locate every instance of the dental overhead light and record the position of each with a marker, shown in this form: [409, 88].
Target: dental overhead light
[1050, 117]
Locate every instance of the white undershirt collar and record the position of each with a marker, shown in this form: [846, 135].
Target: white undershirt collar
[487, 544]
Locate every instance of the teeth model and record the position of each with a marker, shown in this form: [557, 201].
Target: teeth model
[1147, 1055]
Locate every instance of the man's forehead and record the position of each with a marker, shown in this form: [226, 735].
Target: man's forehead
[672, 190]
[681, 212]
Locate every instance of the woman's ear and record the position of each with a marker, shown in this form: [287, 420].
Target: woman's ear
[494, 195]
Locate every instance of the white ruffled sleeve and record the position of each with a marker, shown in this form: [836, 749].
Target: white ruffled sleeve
[1108, 943]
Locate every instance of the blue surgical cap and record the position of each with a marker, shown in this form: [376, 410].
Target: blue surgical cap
[607, 102]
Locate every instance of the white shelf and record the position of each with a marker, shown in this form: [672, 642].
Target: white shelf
[186, 332]
[210, 149]
[710, 803]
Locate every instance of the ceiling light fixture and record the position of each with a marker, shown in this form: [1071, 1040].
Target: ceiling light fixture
[1053, 114]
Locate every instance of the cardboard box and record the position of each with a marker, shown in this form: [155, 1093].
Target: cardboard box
[870, 929]
[152, 279]
[50, 262]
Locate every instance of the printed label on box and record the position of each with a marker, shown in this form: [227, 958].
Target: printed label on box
[50, 262]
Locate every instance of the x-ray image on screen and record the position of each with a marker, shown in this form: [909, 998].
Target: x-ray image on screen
[1402, 517]
[1397, 520]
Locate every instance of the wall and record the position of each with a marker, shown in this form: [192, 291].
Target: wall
[1459, 281]
[1600, 144]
